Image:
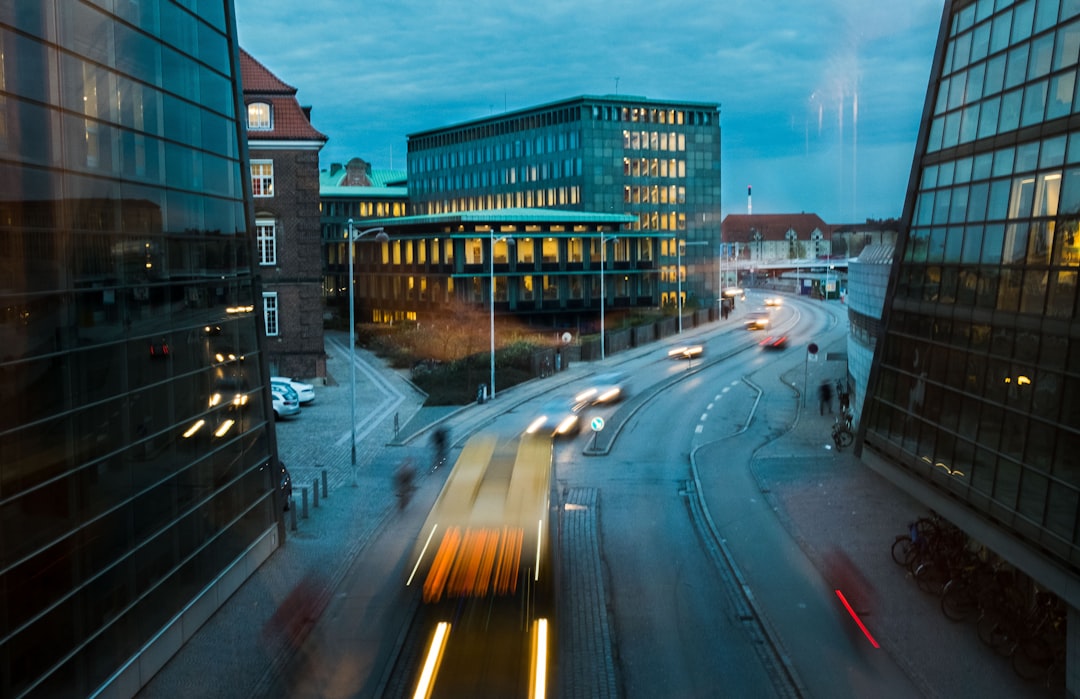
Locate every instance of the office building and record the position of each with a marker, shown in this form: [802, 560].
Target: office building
[973, 403]
[544, 268]
[353, 191]
[656, 160]
[136, 488]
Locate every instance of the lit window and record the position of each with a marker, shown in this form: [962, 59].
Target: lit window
[258, 116]
[270, 313]
[262, 178]
[266, 239]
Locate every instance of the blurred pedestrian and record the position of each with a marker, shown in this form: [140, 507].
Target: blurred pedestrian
[404, 483]
[439, 440]
[825, 397]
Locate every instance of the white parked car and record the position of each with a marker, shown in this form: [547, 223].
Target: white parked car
[286, 402]
[304, 391]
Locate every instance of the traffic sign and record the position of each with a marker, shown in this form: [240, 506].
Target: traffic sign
[812, 348]
[597, 424]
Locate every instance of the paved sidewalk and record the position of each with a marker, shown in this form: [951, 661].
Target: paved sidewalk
[829, 502]
[229, 656]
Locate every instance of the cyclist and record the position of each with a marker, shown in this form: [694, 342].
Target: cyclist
[439, 439]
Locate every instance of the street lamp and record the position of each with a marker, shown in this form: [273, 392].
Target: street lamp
[603, 299]
[353, 237]
[491, 254]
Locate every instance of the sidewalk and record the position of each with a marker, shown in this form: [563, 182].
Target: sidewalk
[829, 502]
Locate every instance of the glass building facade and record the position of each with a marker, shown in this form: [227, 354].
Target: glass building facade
[136, 448]
[658, 161]
[974, 396]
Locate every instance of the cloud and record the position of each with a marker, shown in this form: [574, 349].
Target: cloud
[786, 73]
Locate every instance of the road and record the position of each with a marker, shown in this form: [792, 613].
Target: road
[704, 592]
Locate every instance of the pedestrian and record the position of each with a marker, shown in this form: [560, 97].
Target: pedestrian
[403, 483]
[439, 440]
[825, 397]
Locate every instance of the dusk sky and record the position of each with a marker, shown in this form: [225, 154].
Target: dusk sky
[820, 101]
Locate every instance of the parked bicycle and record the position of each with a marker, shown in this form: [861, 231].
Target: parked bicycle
[842, 434]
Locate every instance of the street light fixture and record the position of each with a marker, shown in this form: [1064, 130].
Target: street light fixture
[604, 240]
[491, 253]
[353, 237]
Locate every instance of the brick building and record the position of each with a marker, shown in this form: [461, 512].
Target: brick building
[284, 156]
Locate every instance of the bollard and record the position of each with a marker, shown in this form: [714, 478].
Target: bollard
[292, 513]
[396, 427]
[303, 499]
[315, 493]
[324, 492]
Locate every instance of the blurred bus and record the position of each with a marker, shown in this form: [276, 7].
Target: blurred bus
[484, 566]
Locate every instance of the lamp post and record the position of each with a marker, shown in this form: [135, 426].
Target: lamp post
[353, 237]
[491, 254]
[603, 299]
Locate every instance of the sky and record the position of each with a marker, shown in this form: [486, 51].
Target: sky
[820, 102]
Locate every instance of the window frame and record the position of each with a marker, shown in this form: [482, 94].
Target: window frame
[271, 314]
[262, 182]
[268, 125]
[262, 224]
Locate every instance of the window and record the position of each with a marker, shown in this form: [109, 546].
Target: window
[270, 313]
[258, 116]
[262, 178]
[266, 240]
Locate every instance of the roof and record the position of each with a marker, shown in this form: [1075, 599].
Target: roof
[289, 121]
[878, 253]
[741, 227]
[621, 100]
[333, 178]
[511, 215]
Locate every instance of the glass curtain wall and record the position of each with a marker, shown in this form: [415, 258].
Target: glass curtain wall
[133, 424]
[976, 387]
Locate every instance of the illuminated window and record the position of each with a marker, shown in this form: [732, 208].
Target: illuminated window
[262, 178]
[258, 116]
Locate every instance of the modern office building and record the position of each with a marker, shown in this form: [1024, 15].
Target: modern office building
[284, 148]
[656, 160]
[136, 488]
[973, 404]
[544, 268]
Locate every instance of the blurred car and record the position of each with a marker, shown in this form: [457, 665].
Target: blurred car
[756, 320]
[774, 342]
[286, 402]
[305, 392]
[685, 352]
[557, 418]
[774, 301]
[605, 388]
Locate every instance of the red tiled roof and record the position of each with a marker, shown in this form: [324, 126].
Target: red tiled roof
[289, 122]
[741, 227]
[257, 78]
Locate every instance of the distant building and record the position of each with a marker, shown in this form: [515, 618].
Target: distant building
[137, 448]
[284, 149]
[547, 268]
[973, 400]
[655, 160]
[357, 192]
[867, 280]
